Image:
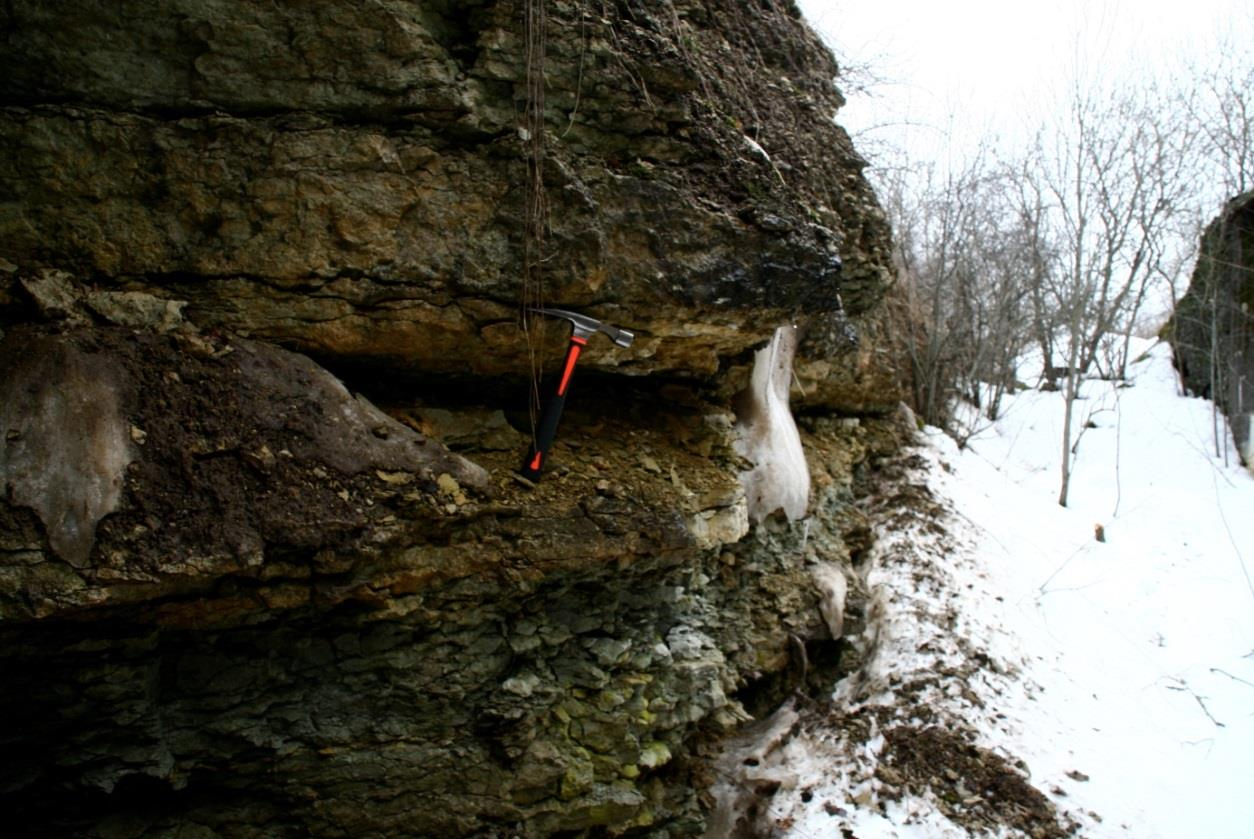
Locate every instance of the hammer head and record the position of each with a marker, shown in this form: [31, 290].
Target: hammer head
[585, 326]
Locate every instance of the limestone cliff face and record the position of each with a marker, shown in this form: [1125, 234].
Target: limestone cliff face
[240, 597]
[350, 179]
[1212, 329]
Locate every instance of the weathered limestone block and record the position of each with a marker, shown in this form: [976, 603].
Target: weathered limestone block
[349, 180]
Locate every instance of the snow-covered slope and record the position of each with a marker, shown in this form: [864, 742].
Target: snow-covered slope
[1009, 649]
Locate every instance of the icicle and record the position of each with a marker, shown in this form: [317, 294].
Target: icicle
[833, 587]
[767, 436]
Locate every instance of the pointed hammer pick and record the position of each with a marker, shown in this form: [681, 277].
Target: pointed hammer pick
[584, 328]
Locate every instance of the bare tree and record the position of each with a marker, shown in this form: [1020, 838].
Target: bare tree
[1221, 106]
[958, 256]
[1106, 183]
[1041, 262]
[1070, 246]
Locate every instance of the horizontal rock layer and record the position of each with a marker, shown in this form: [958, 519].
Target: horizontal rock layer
[290, 622]
[350, 181]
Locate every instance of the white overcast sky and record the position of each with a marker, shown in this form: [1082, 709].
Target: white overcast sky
[968, 67]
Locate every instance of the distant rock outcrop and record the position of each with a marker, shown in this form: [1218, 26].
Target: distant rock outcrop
[1212, 329]
[241, 595]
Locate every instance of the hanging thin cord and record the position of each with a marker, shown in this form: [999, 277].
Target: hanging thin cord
[535, 212]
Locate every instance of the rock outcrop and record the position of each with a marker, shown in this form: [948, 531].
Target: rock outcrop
[1212, 329]
[350, 181]
[241, 595]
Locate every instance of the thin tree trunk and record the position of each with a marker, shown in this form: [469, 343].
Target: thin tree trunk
[1067, 412]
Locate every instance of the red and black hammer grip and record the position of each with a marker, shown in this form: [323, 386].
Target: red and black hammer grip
[538, 454]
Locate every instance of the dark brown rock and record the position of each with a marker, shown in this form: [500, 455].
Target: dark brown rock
[206, 456]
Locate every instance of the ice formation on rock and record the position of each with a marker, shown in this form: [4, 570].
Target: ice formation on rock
[767, 437]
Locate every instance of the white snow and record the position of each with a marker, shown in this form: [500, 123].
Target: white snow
[1120, 672]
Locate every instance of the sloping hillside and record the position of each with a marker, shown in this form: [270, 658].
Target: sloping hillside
[1015, 665]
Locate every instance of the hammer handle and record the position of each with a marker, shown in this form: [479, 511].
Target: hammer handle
[538, 454]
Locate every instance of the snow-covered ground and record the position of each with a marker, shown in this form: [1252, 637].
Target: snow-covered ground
[1009, 649]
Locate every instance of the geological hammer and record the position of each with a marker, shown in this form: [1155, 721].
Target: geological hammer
[584, 328]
